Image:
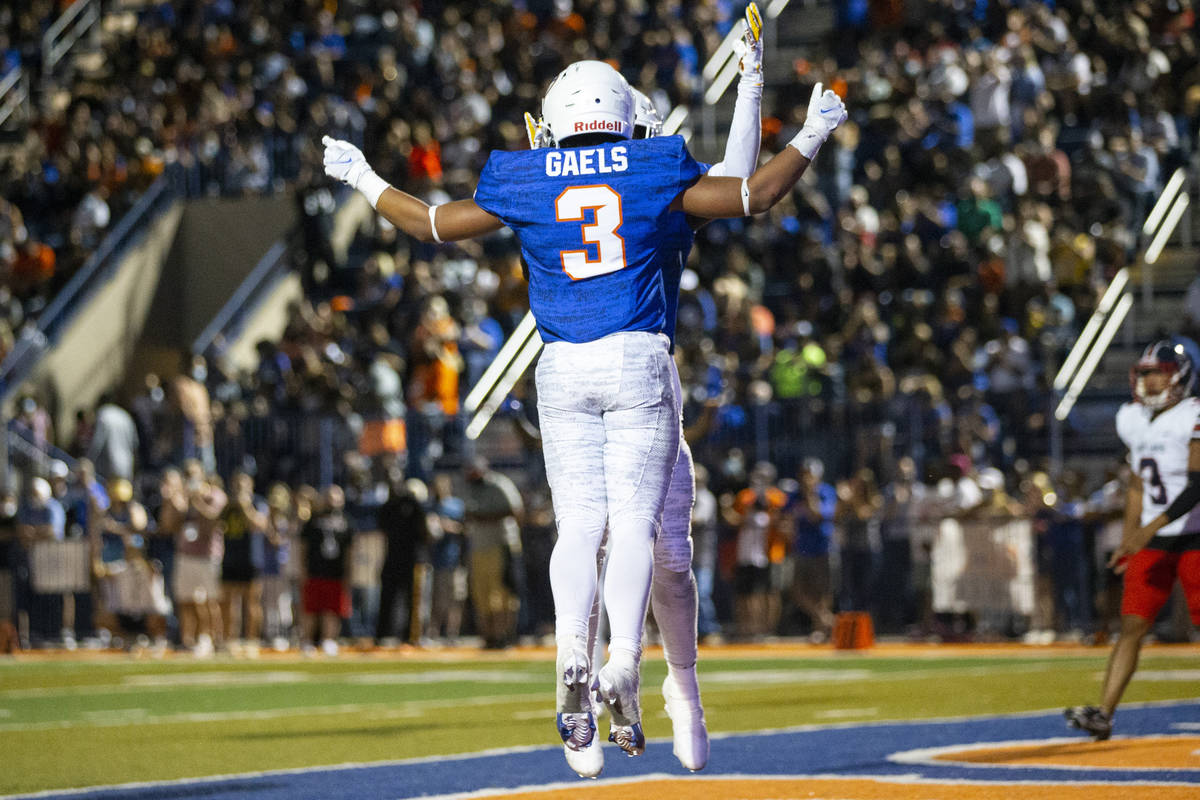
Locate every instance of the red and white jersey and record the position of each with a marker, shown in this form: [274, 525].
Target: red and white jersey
[1158, 452]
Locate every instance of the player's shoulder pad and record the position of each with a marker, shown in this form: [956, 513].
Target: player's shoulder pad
[1130, 416]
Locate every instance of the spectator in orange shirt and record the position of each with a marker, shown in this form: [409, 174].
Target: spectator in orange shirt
[33, 268]
[756, 514]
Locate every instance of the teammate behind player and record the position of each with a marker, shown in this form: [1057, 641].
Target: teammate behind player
[673, 595]
[1161, 540]
[589, 216]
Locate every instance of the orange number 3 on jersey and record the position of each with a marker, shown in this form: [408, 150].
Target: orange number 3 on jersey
[571, 206]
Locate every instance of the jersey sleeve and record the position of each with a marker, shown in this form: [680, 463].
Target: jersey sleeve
[1126, 420]
[489, 192]
[690, 170]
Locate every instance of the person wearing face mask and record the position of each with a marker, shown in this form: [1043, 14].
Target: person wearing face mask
[493, 507]
[190, 401]
[325, 548]
[9, 641]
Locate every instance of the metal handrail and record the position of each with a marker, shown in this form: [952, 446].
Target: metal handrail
[268, 268]
[1116, 302]
[20, 437]
[14, 93]
[94, 273]
[57, 41]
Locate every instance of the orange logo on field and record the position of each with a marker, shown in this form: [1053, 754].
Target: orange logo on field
[800, 788]
[1149, 752]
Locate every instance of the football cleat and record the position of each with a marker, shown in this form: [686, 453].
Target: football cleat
[574, 719]
[587, 761]
[688, 728]
[617, 685]
[1089, 719]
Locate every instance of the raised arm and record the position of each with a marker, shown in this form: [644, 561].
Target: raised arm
[718, 197]
[450, 222]
[745, 132]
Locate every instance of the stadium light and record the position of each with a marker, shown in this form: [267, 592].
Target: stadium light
[492, 374]
[1088, 335]
[1164, 200]
[509, 379]
[1168, 227]
[1093, 359]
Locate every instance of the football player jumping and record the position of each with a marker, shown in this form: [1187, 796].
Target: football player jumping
[1161, 428]
[590, 216]
[673, 596]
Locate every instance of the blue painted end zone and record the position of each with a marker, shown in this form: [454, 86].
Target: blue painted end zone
[850, 750]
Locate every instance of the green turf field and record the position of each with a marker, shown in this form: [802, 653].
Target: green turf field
[101, 720]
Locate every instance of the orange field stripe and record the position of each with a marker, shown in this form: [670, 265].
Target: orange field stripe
[1143, 752]
[845, 789]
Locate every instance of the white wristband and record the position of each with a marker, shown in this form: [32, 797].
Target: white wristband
[433, 224]
[745, 197]
[372, 187]
[808, 141]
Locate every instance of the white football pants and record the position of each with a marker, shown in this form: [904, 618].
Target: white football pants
[609, 416]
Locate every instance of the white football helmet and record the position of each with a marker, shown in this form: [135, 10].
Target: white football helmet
[646, 122]
[588, 97]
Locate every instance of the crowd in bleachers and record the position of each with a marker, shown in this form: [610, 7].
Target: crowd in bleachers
[905, 301]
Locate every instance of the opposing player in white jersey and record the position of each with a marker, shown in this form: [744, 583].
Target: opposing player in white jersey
[1161, 541]
[589, 215]
[673, 596]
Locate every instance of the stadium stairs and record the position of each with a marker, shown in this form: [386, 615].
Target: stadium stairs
[1090, 439]
[160, 283]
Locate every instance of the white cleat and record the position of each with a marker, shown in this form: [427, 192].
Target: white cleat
[618, 685]
[574, 718]
[588, 762]
[689, 731]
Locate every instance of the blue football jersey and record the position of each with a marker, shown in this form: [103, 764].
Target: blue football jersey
[591, 223]
[673, 255]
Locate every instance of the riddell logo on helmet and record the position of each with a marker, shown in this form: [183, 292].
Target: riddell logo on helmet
[599, 125]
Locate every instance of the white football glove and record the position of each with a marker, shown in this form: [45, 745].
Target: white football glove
[346, 163]
[749, 51]
[825, 112]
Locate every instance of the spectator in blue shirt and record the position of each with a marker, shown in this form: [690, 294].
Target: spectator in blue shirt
[812, 507]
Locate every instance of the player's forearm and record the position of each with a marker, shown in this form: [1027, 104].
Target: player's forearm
[1133, 508]
[771, 182]
[745, 132]
[408, 213]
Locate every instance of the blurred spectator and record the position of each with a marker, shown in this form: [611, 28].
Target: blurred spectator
[194, 437]
[755, 514]
[705, 521]
[244, 524]
[813, 508]
[492, 511]
[857, 528]
[448, 559]
[9, 639]
[903, 504]
[191, 510]
[325, 543]
[132, 595]
[114, 442]
[402, 520]
[41, 519]
[278, 567]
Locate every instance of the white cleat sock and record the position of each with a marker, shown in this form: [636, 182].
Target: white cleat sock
[618, 684]
[681, 692]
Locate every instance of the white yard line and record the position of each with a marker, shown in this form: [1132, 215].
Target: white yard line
[119, 718]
